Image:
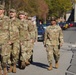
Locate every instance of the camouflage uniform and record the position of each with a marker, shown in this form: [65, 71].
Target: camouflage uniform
[34, 34]
[53, 39]
[25, 37]
[26, 32]
[14, 38]
[5, 48]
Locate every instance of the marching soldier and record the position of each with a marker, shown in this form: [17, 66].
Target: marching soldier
[34, 36]
[53, 41]
[14, 39]
[5, 48]
[25, 39]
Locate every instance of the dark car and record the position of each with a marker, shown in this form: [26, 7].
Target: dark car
[45, 25]
[74, 24]
[64, 25]
[41, 32]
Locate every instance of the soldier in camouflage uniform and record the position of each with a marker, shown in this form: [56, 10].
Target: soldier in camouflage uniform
[14, 39]
[34, 36]
[52, 41]
[5, 48]
[25, 39]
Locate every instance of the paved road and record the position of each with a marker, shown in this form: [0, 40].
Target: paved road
[40, 63]
[70, 35]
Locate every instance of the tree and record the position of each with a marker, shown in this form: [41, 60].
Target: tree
[42, 9]
[58, 7]
[33, 7]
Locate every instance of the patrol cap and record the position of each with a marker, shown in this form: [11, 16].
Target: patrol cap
[1, 7]
[26, 13]
[12, 10]
[21, 12]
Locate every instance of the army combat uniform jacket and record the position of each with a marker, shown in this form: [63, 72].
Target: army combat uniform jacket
[53, 35]
[5, 48]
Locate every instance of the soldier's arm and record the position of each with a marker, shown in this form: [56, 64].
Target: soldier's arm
[45, 37]
[10, 31]
[31, 30]
[19, 28]
[61, 36]
[7, 20]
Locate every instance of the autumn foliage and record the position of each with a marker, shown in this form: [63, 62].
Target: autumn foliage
[33, 7]
[40, 8]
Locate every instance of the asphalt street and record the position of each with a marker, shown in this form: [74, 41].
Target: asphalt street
[67, 62]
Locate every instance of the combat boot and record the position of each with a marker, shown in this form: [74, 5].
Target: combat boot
[10, 69]
[23, 65]
[56, 65]
[0, 72]
[5, 71]
[14, 68]
[27, 62]
[50, 67]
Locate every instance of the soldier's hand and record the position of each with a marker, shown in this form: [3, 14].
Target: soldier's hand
[35, 40]
[21, 43]
[32, 41]
[60, 44]
[10, 42]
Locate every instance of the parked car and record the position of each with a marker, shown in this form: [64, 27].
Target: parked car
[74, 24]
[45, 25]
[41, 32]
[71, 24]
[64, 25]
